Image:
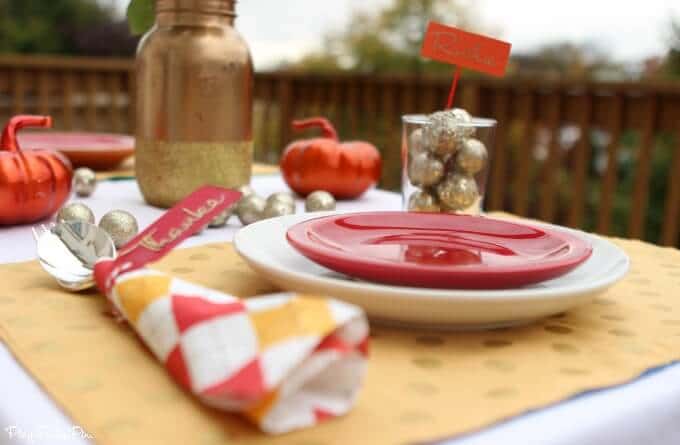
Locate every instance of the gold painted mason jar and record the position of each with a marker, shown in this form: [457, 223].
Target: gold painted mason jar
[194, 101]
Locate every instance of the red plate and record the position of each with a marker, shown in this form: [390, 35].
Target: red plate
[99, 151]
[438, 250]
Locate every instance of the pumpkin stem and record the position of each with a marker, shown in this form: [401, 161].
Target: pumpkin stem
[8, 141]
[321, 122]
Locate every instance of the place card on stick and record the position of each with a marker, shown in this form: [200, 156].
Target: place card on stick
[465, 50]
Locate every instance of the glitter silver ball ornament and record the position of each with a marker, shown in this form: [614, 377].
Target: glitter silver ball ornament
[283, 197]
[275, 208]
[443, 134]
[425, 170]
[120, 225]
[221, 219]
[84, 181]
[471, 157]
[75, 211]
[250, 209]
[446, 131]
[462, 117]
[422, 201]
[417, 142]
[457, 192]
[319, 201]
[246, 190]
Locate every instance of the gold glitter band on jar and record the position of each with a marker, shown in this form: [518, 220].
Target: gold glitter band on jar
[193, 164]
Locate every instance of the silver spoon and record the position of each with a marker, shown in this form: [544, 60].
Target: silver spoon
[69, 250]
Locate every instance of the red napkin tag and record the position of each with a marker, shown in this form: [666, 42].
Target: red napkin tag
[465, 49]
[177, 224]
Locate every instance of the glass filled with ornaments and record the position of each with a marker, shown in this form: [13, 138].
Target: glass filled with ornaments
[445, 158]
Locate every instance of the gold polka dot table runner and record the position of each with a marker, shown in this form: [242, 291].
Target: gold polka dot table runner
[420, 386]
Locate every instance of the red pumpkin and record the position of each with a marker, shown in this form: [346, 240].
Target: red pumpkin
[345, 170]
[33, 183]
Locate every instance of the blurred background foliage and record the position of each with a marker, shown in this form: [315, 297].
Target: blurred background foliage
[385, 40]
[388, 40]
[72, 27]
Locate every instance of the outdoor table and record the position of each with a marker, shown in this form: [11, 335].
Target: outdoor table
[644, 410]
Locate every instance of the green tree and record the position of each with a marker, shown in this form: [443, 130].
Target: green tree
[567, 60]
[54, 26]
[388, 40]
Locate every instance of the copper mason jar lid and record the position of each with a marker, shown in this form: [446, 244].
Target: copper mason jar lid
[220, 7]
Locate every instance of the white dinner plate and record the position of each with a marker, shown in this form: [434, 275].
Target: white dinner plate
[263, 245]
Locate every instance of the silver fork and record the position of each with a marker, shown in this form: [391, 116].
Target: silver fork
[68, 251]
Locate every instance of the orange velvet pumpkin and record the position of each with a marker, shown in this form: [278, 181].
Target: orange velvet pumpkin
[345, 170]
[33, 183]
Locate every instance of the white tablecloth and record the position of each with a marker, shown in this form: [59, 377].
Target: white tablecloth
[645, 411]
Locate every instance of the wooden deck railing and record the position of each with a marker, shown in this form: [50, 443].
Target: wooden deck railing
[604, 157]
[80, 93]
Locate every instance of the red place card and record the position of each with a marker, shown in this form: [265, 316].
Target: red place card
[465, 49]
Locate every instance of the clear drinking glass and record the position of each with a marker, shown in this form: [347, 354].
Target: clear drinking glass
[445, 172]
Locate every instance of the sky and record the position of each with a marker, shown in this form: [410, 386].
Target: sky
[629, 30]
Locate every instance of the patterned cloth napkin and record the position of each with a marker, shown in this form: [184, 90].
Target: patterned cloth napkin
[285, 361]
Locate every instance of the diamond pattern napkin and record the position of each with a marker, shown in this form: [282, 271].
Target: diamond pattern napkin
[285, 361]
